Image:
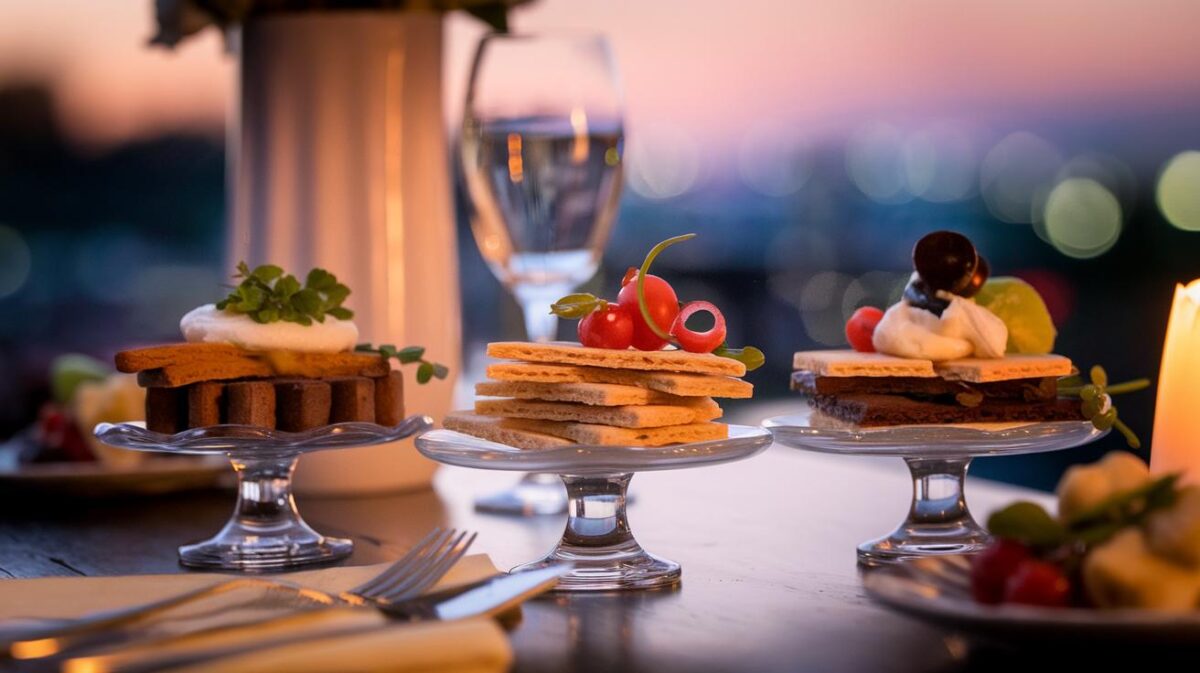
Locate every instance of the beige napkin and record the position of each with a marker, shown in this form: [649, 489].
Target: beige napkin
[471, 646]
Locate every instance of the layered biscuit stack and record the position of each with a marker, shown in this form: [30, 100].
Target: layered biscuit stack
[873, 389]
[551, 395]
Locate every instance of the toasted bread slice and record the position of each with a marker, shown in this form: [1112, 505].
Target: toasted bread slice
[673, 383]
[575, 354]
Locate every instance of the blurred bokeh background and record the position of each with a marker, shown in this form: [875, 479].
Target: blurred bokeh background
[809, 143]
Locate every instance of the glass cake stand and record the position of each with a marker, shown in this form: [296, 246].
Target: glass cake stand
[265, 531]
[938, 456]
[597, 539]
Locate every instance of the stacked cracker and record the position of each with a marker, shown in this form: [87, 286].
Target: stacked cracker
[203, 384]
[561, 394]
[873, 389]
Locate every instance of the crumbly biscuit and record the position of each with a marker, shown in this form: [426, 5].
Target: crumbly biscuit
[389, 399]
[853, 363]
[607, 435]
[249, 403]
[599, 394]
[574, 354]
[206, 404]
[352, 399]
[635, 416]
[980, 370]
[493, 430]
[157, 357]
[673, 383]
[166, 410]
[301, 404]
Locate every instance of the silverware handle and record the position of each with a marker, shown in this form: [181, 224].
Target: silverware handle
[45, 642]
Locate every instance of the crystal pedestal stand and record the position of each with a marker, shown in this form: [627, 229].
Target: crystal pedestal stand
[937, 456]
[266, 531]
[597, 540]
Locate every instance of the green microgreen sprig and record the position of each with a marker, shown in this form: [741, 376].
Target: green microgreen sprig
[268, 295]
[426, 370]
[1097, 403]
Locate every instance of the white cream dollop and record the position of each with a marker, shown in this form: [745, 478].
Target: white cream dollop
[206, 324]
[965, 329]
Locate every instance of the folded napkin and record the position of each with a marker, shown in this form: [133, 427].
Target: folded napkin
[471, 646]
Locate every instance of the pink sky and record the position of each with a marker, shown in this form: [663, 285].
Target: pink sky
[703, 65]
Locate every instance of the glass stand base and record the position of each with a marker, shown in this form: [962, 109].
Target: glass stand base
[264, 554]
[909, 542]
[535, 495]
[619, 568]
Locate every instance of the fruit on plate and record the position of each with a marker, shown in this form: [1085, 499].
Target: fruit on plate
[648, 316]
[1123, 538]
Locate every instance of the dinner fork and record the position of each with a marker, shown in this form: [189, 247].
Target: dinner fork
[418, 570]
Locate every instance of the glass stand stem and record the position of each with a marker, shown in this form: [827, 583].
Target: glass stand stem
[265, 531]
[938, 520]
[598, 541]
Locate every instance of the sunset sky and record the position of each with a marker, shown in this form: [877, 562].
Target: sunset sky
[704, 66]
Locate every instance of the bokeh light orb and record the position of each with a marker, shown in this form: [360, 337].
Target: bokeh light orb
[940, 164]
[662, 163]
[15, 261]
[1082, 218]
[773, 161]
[1014, 173]
[876, 165]
[1178, 191]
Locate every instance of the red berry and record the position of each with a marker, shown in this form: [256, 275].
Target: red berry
[861, 327]
[1038, 583]
[609, 327]
[992, 567]
[660, 301]
[699, 342]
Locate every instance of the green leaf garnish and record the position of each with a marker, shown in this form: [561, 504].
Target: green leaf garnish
[575, 306]
[1096, 396]
[268, 295]
[1027, 522]
[426, 370]
[749, 356]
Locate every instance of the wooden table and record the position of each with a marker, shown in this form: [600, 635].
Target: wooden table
[767, 547]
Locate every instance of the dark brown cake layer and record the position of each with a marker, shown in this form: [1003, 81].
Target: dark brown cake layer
[290, 404]
[1028, 390]
[866, 409]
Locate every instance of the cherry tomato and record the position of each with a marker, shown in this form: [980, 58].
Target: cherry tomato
[698, 342]
[1038, 583]
[663, 306]
[609, 327]
[861, 327]
[992, 568]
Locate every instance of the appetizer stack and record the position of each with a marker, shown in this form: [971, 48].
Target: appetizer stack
[959, 347]
[195, 385]
[274, 353]
[552, 395]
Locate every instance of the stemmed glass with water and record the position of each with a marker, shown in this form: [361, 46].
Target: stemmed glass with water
[542, 155]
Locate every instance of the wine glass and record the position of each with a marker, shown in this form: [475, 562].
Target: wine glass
[542, 156]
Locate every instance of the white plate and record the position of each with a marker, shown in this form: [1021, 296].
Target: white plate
[937, 590]
[151, 476]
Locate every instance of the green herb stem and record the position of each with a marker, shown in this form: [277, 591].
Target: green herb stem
[641, 282]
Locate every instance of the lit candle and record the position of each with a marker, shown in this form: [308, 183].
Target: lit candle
[1177, 409]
